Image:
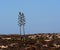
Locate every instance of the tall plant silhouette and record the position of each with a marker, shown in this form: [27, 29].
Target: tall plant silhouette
[21, 22]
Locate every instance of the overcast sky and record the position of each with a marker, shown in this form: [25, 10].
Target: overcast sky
[41, 16]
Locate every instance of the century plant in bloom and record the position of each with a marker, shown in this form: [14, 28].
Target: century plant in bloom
[21, 22]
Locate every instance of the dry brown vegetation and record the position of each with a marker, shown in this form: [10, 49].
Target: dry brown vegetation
[30, 42]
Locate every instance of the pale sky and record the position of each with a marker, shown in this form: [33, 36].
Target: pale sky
[41, 16]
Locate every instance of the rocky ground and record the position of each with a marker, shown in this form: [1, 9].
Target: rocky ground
[30, 42]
